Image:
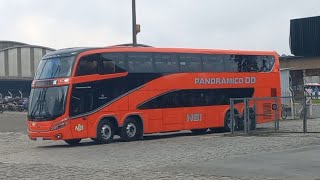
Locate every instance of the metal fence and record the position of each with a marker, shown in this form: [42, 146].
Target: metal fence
[270, 114]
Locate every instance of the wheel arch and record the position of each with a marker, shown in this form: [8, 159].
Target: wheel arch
[228, 110]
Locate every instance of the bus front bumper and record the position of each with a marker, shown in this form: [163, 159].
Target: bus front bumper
[61, 134]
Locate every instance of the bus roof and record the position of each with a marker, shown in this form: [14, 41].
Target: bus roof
[78, 50]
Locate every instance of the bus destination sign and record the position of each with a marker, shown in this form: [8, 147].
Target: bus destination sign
[245, 80]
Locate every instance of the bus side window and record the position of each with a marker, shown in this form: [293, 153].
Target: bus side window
[140, 62]
[107, 67]
[165, 63]
[111, 63]
[212, 63]
[190, 63]
[87, 65]
[265, 63]
[252, 63]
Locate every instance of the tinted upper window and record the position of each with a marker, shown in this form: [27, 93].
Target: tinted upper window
[190, 63]
[101, 64]
[166, 62]
[55, 68]
[212, 63]
[112, 63]
[140, 62]
[108, 63]
[229, 63]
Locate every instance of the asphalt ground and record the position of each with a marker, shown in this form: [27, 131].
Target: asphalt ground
[281, 155]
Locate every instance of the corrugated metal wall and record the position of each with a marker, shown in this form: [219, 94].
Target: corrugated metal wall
[20, 62]
[305, 36]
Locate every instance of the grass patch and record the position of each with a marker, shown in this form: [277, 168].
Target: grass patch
[315, 101]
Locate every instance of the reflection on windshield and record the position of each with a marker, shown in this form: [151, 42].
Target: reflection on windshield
[47, 103]
[55, 68]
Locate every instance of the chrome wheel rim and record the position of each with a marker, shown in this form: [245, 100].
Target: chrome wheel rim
[106, 131]
[131, 130]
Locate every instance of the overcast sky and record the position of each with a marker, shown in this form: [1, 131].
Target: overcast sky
[219, 24]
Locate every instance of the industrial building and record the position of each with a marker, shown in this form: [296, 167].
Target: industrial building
[304, 65]
[18, 63]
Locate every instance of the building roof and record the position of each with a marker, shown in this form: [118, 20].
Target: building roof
[5, 45]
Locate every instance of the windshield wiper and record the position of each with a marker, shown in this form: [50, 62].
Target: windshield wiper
[40, 105]
[33, 110]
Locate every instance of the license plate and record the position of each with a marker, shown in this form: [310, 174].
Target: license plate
[39, 139]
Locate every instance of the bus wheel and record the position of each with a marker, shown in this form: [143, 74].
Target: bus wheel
[240, 125]
[198, 131]
[227, 123]
[73, 142]
[237, 124]
[105, 132]
[131, 130]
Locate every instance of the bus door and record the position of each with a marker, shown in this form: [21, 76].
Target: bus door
[81, 104]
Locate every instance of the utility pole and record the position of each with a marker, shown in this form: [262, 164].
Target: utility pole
[134, 23]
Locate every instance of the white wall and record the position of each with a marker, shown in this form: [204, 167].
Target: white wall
[37, 57]
[13, 62]
[26, 62]
[285, 82]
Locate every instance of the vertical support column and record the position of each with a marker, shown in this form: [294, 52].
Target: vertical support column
[6, 63]
[310, 109]
[245, 118]
[232, 115]
[255, 114]
[293, 108]
[304, 111]
[19, 62]
[32, 61]
[276, 122]
[134, 24]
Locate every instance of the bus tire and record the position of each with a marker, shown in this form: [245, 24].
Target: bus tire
[199, 131]
[131, 130]
[238, 124]
[73, 142]
[227, 121]
[105, 132]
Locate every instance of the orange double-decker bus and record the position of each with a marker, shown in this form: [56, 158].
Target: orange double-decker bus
[97, 93]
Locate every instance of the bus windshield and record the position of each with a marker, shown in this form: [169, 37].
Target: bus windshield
[58, 67]
[47, 103]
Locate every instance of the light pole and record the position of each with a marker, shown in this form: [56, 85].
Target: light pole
[134, 23]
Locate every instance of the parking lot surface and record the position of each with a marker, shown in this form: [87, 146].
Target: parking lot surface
[290, 155]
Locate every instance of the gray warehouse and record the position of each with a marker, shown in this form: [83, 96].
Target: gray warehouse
[18, 62]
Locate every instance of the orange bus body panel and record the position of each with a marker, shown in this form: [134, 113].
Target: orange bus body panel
[165, 119]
